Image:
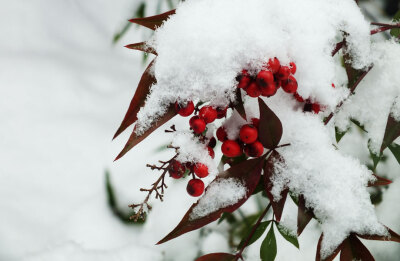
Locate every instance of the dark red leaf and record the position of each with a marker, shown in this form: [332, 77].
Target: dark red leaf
[217, 257]
[270, 129]
[153, 22]
[239, 105]
[379, 181]
[331, 256]
[142, 46]
[138, 99]
[393, 236]
[248, 171]
[303, 216]
[268, 174]
[391, 133]
[354, 249]
[134, 139]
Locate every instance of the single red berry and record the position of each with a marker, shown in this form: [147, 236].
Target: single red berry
[221, 134]
[244, 81]
[293, 67]
[184, 110]
[176, 170]
[221, 112]
[248, 134]
[298, 97]
[255, 122]
[200, 170]
[195, 187]
[290, 85]
[316, 108]
[273, 65]
[269, 90]
[211, 152]
[254, 149]
[333, 85]
[198, 125]
[212, 142]
[231, 148]
[264, 78]
[208, 114]
[253, 90]
[283, 72]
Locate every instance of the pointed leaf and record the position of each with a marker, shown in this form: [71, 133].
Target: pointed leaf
[396, 31]
[375, 158]
[339, 134]
[135, 139]
[257, 234]
[392, 131]
[270, 129]
[379, 181]
[395, 149]
[303, 216]
[138, 99]
[393, 236]
[268, 248]
[331, 256]
[142, 46]
[354, 249]
[239, 105]
[153, 22]
[248, 172]
[288, 235]
[269, 172]
[217, 257]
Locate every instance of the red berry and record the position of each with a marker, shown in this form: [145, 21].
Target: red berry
[253, 90]
[208, 114]
[333, 85]
[212, 142]
[283, 73]
[221, 112]
[195, 187]
[221, 134]
[198, 125]
[273, 65]
[293, 67]
[200, 170]
[255, 122]
[290, 85]
[176, 170]
[231, 148]
[264, 78]
[255, 149]
[211, 152]
[184, 110]
[244, 81]
[269, 90]
[248, 134]
[316, 108]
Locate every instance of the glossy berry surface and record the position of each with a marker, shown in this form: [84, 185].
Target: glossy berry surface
[248, 134]
[200, 170]
[292, 67]
[283, 72]
[198, 125]
[269, 90]
[186, 110]
[195, 187]
[253, 90]
[231, 148]
[254, 149]
[274, 65]
[221, 134]
[208, 114]
[290, 85]
[264, 78]
[244, 81]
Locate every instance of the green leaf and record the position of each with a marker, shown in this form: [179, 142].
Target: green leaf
[359, 125]
[339, 134]
[229, 217]
[268, 248]
[257, 234]
[392, 131]
[286, 233]
[396, 31]
[395, 149]
[375, 158]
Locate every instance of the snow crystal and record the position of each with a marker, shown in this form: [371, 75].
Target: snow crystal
[382, 83]
[192, 150]
[233, 124]
[220, 193]
[206, 43]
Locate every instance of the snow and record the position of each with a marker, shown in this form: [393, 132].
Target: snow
[220, 193]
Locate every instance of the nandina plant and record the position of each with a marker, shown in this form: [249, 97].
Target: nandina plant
[273, 127]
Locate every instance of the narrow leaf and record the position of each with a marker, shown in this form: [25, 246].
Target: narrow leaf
[248, 171]
[239, 105]
[303, 215]
[375, 158]
[135, 139]
[257, 234]
[396, 31]
[153, 22]
[393, 236]
[268, 248]
[354, 249]
[142, 46]
[379, 182]
[270, 129]
[217, 257]
[138, 99]
[339, 134]
[332, 256]
[392, 131]
[395, 149]
[288, 235]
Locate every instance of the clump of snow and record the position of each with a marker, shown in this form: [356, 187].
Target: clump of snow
[206, 43]
[191, 149]
[381, 88]
[233, 124]
[220, 193]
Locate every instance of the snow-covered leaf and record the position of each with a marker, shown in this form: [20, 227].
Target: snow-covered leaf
[304, 215]
[268, 248]
[248, 172]
[153, 22]
[339, 134]
[353, 249]
[257, 234]
[396, 31]
[217, 257]
[270, 129]
[327, 258]
[142, 46]
[288, 235]
[393, 236]
[391, 133]
[395, 149]
[379, 181]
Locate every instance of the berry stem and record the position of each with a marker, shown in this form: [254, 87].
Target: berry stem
[239, 254]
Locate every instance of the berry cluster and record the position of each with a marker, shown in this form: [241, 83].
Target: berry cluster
[269, 79]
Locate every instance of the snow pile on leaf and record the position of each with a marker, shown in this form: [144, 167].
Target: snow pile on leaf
[203, 47]
[220, 194]
[378, 83]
